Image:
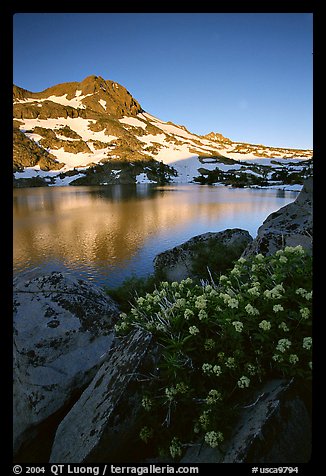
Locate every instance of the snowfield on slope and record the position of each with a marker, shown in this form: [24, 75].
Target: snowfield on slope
[174, 145]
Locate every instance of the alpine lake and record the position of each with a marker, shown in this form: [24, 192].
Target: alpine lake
[106, 234]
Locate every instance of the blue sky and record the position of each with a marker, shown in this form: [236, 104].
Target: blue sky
[245, 75]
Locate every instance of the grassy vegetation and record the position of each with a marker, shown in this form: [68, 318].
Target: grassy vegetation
[214, 259]
[211, 260]
[128, 292]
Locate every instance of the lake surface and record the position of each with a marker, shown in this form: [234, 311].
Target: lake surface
[106, 234]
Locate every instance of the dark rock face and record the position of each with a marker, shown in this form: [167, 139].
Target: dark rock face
[274, 428]
[176, 264]
[102, 424]
[291, 225]
[63, 330]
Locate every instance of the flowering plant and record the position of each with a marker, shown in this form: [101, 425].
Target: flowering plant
[219, 339]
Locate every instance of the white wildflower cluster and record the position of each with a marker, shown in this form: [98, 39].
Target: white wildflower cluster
[186, 281]
[238, 325]
[283, 259]
[213, 397]
[230, 362]
[233, 303]
[283, 345]
[121, 327]
[278, 308]
[251, 369]
[278, 358]
[243, 382]
[179, 388]
[229, 300]
[202, 315]
[265, 325]
[283, 327]
[236, 271]
[210, 369]
[188, 313]
[175, 448]
[275, 293]
[156, 299]
[251, 310]
[254, 291]
[200, 302]
[193, 330]
[204, 419]
[180, 303]
[305, 294]
[305, 313]
[307, 343]
[213, 438]
[299, 250]
[293, 359]
[147, 403]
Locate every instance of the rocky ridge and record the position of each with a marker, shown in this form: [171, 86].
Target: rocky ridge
[72, 131]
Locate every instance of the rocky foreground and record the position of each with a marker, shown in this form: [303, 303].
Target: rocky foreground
[77, 386]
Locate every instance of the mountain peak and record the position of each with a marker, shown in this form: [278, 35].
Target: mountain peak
[216, 136]
[92, 84]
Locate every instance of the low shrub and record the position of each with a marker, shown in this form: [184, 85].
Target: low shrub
[127, 293]
[217, 341]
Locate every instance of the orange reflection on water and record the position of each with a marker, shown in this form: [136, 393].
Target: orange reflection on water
[107, 226]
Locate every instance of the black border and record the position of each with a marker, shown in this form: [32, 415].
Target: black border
[6, 59]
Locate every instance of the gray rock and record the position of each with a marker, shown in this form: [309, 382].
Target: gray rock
[274, 428]
[62, 334]
[100, 424]
[176, 263]
[291, 225]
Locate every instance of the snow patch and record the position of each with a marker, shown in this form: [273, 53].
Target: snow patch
[103, 103]
[133, 121]
[77, 124]
[61, 182]
[142, 178]
[81, 159]
[34, 137]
